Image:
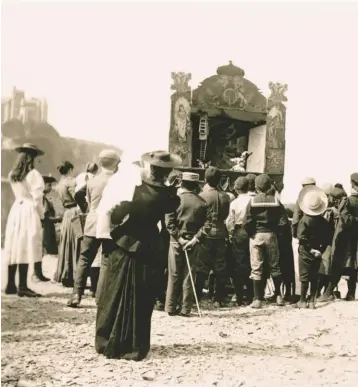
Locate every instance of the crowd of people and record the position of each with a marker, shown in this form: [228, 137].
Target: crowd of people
[146, 234]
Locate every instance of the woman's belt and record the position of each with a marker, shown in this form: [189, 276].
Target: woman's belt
[70, 205]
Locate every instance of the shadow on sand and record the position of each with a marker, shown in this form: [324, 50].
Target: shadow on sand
[19, 314]
[217, 349]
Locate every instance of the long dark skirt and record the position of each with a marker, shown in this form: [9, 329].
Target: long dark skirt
[163, 277]
[125, 307]
[344, 250]
[49, 237]
[287, 262]
[68, 251]
[326, 263]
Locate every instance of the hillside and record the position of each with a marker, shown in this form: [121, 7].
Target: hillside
[56, 148]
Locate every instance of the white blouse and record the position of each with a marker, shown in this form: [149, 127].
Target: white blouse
[36, 188]
[120, 187]
[31, 188]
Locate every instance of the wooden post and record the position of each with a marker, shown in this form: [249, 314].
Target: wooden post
[180, 133]
[275, 130]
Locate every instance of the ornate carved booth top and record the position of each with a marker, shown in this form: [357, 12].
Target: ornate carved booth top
[227, 122]
[229, 93]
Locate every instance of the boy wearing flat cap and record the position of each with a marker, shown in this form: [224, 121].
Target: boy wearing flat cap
[187, 227]
[263, 218]
[240, 241]
[214, 243]
[344, 248]
[49, 232]
[251, 178]
[49, 241]
[108, 160]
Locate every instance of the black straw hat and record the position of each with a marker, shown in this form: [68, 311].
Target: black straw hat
[162, 159]
[29, 148]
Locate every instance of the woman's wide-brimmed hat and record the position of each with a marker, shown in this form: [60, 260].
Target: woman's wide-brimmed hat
[30, 148]
[162, 159]
[312, 200]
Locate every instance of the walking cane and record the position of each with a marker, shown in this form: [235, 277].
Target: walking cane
[192, 282]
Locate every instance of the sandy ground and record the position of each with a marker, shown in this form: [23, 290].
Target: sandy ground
[44, 343]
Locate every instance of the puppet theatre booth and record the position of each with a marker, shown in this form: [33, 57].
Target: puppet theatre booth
[228, 123]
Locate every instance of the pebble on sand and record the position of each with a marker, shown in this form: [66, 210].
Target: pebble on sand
[149, 376]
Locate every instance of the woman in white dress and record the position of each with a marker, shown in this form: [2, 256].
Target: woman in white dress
[23, 234]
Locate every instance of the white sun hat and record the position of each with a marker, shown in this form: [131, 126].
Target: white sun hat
[327, 188]
[312, 200]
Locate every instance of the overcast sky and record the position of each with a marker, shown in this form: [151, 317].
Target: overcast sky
[105, 69]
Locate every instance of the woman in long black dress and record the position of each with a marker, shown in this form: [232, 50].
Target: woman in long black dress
[50, 246]
[128, 295]
[68, 242]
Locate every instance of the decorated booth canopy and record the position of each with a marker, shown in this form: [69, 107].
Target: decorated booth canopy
[227, 122]
[229, 94]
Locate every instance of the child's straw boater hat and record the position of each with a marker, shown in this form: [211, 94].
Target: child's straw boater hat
[312, 200]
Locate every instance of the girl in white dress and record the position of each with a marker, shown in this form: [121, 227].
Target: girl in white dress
[23, 234]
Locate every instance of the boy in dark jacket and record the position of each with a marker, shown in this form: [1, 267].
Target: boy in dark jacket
[214, 252]
[264, 216]
[49, 242]
[186, 227]
[314, 235]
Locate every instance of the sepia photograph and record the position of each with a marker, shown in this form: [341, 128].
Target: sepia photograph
[179, 193]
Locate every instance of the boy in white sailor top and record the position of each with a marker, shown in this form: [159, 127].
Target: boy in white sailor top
[264, 216]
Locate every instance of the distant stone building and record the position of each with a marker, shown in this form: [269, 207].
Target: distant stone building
[25, 110]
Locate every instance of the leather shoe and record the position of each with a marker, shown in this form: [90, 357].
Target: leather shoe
[74, 301]
[11, 290]
[350, 297]
[27, 293]
[256, 304]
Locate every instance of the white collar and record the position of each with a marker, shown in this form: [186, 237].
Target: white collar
[105, 170]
